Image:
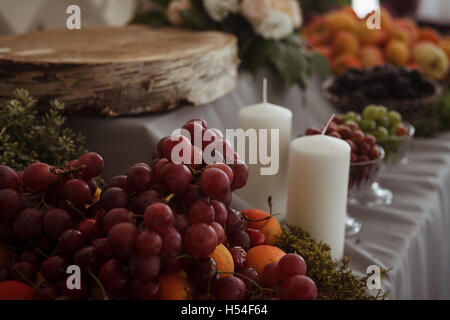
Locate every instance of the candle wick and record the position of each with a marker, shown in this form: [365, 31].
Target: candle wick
[265, 90]
[328, 123]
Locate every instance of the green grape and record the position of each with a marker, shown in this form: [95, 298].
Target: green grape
[394, 117]
[382, 111]
[351, 115]
[383, 121]
[370, 112]
[382, 133]
[367, 125]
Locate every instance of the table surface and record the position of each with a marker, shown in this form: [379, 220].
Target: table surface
[410, 236]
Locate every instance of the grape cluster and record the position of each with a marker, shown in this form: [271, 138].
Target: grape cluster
[159, 218]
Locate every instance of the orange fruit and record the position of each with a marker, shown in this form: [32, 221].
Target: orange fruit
[16, 290]
[174, 286]
[260, 256]
[341, 63]
[400, 35]
[270, 228]
[397, 52]
[371, 56]
[385, 18]
[317, 31]
[341, 20]
[408, 25]
[445, 45]
[429, 34]
[224, 260]
[345, 42]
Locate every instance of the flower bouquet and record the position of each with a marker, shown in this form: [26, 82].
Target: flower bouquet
[266, 30]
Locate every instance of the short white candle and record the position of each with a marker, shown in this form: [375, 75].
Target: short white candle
[259, 187]
[317, 189]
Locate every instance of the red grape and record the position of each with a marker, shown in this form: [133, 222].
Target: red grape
[46, 291]
[8, 178]
[291, 265]
[239, 257]
[114, 198]
[139, 204]
[225, 168]
[239, 238]
[192, 194]
[93, 163]
[201, 211]
[119, 182]
[209, 136]
[297, 288]
[181, 223]
[32, 257]
[179, 143]
[159, 166]
[116, 216]
[230, 288]
[28, 224]
[87, 258]
[148, 243]
[55, 222]
[234, 220]
[370, 140]
[200, 240]
[113, 277]
[201, 121]
[22, 271]
[220, 212]
[221, 237]
[70, 241]
[10, 203]
[121, 238]
[202, 272]
[195, 129]
[103, 248]
[139, 177]
[250, 273]
[54, 268]
[145, 268]
[37, 177]
[92, 186]
[160, 145]
[172, 243]
[77, 192]
[158, 217]
[345, 132]
[144, 290]
[240, 174]
[269, 276]
[175, 178]
[214, 183]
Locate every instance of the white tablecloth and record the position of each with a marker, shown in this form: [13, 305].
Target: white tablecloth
[411, 236]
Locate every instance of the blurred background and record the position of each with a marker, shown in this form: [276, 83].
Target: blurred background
[20, 16]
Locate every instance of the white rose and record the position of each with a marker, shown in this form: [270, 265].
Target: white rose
[277, 25]
[296, 14]
[218, 10]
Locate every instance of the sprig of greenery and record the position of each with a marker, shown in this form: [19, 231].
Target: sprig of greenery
[289, 58]
[334, 281]
[436, 119]
[27, 137]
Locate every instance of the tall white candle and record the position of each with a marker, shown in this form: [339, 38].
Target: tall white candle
[318, 180]
[259, 187]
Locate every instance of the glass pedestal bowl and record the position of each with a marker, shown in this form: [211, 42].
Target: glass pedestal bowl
[396, 148]
[361, 180]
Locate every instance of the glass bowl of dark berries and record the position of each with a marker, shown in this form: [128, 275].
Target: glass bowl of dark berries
[403, 89]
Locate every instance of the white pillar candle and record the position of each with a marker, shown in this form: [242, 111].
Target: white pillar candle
[317, 188]
[259, 187]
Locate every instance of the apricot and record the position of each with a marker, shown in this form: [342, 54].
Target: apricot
[397, 52]
[385, 18]
[408, 25]
[341, 63]
[224, 260]
[369, 36]
[269, 227]
[345, 42]
[341, 20]
[371, 56]
[400, 35]
[174, 286]
[260, 256]
[317, 31]
[445, 45]
[428, 34]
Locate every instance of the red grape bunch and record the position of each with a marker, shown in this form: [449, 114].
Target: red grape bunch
[160, 218]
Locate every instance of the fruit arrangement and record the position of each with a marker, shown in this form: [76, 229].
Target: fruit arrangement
[386, 126]
[165, 230]
[346, 41]
[365, 155]
[400, 88]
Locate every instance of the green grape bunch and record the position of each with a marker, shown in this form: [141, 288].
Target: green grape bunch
[26, 136]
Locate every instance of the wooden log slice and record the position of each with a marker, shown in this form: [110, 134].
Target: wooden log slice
[119, 70]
